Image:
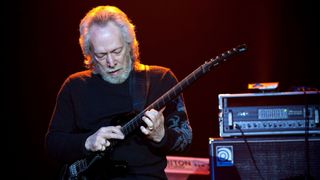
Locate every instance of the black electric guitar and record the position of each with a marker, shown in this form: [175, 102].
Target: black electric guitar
[78, 169]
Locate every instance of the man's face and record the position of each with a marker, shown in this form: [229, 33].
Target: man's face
[110, 53]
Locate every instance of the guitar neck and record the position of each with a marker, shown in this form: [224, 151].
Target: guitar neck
[180, 86]
[161, 101]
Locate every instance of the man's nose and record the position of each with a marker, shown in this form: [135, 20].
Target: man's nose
[111, 62]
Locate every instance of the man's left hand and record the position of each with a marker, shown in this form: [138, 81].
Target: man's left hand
[155, 124]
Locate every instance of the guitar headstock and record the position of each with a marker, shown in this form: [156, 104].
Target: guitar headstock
[224, 56]
[239, 49]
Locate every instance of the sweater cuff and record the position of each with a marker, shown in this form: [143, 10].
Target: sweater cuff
[166, 143]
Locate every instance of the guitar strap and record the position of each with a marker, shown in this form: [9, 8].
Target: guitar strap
[139, 87]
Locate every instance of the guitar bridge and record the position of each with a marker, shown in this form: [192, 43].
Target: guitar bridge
[76, 168]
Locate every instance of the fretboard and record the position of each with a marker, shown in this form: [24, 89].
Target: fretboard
[180, 86]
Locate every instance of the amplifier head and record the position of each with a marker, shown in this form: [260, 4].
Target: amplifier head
[278, 113]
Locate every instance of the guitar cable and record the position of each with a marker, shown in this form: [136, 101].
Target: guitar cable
[250, 151]
[306, 134]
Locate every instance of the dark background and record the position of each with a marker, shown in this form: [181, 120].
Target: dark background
[282, 38]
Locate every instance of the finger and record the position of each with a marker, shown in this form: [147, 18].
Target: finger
[115, 136]
[97, 147]
[117, 129]
[105, 145]
[161, 110]
[148, 122]
[112, 132]
[144, 130]
[108, 143]
[112, 129]
[150, 114]
[103, 148]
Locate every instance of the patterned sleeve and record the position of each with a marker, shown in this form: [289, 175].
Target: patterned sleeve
[179, 123]
[178, 132]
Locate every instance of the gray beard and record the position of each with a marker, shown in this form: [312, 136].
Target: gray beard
[119, 79]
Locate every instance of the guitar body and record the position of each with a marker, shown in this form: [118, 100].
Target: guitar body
[99, 162]
[101, 169]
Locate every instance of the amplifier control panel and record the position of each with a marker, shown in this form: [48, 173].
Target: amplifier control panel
[269, 113]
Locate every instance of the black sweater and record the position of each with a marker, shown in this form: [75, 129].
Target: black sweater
[86, 102]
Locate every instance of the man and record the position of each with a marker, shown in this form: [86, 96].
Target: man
[89, 116]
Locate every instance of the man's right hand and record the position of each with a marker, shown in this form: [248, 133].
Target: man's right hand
[99, 141]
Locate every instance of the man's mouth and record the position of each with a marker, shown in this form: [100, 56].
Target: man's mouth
[114, 72]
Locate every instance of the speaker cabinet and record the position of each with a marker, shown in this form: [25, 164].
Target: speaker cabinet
[265, 158]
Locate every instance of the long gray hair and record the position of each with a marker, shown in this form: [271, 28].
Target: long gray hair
[101, 15]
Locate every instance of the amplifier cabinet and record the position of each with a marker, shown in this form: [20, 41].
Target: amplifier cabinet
[277, 113]
[265, 158]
